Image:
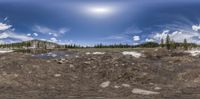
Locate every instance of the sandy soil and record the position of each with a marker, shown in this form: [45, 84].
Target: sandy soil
[101, 74]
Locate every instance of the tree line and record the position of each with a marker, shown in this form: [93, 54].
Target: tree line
[164, 43]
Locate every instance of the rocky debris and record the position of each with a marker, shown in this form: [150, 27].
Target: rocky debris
[71, 65]
[105, 84]
[144, 92]
[156, 53]
[190, 76]
[160, 72]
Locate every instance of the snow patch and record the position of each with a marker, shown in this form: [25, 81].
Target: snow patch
[98, 53]
[144, 92]
[95, 53]
[105, 84]
[87, 53]
[6, 51]
[134, 54]
[193, 52]
[52, 54]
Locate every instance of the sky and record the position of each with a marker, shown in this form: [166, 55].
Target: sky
[90, 22]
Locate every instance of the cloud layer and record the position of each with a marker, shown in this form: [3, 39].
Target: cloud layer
[8, 34]
[4, 26]
[191, 34]
[49, 31]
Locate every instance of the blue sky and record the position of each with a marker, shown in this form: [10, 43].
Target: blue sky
[89, 22]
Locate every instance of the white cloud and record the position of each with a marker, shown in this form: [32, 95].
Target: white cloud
[136, 38]
[149, 40]
[6, 18]
[196, 27]
[28, 34]
[4, 26]
[13, 35]
[53, 39]
[116, 37]
[49, 31]
[64, 30]
[35, 34]
[133, 30]
[8, 34]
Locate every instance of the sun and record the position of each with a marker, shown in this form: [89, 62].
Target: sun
[100, 10]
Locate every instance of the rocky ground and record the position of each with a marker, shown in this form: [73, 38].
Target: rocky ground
[101, 74]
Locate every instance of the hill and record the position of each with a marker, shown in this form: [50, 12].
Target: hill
[33, 44]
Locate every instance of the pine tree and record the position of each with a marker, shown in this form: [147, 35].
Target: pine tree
[168, 42]
[185, 45]
[173, 45]
[162, 43]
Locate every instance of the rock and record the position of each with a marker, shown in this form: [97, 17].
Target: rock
[30, 72]
[105, 84]
[87, 62]
[36, 66]
[71, 66]
[144, 92]
[125, 85]
[157, 88]
[4, 73]
[48, 61]
[16, 75]
[116, 86]
[61, 61]
[57, 75]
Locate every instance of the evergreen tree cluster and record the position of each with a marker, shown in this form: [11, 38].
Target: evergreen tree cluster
[16, 45]
[114, 46]
[170, 44]
[71, 46]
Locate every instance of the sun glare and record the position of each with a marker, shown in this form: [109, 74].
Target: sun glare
[100, 10]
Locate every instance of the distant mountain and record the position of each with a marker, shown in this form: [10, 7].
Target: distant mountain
[42, 44]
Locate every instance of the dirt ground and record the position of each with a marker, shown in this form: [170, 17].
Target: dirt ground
[81, 74]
